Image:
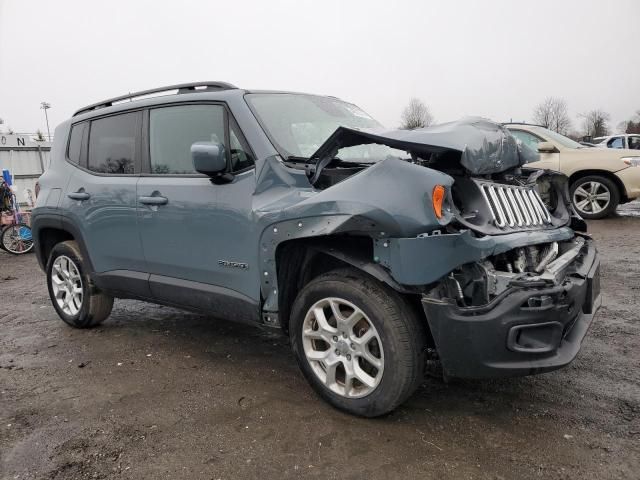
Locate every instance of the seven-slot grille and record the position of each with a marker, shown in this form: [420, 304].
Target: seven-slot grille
[513, 206]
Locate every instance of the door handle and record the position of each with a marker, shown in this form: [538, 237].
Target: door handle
[79, 195]
[154, 200]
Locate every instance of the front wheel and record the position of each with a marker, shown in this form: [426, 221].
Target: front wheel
[358, 342]
[594, 196]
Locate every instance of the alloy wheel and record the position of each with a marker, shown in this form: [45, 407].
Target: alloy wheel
[591, 197]
[66, 284]
[343, 347]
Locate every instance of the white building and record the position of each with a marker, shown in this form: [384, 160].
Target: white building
[26, 159]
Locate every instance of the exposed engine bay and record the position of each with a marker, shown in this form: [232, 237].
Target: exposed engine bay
[533, 266]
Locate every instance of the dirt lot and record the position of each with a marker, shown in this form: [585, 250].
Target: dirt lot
[158, 393]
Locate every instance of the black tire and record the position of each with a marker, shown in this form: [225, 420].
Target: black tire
[10, 233]
[605, 185]
[398, 325]
[95, 306]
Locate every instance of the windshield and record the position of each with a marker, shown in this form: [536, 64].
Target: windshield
[298, 124]
[561, 139]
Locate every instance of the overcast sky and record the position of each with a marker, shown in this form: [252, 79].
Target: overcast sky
[495, 59]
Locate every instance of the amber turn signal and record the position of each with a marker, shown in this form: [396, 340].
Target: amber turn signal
[438, 199]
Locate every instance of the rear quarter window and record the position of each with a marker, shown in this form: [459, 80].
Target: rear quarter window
[74, 148]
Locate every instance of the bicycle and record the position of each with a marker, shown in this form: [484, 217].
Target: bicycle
[16, 237]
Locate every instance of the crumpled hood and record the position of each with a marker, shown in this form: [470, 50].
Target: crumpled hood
[485, 147]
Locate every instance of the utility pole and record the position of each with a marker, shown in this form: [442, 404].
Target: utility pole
[46, 106]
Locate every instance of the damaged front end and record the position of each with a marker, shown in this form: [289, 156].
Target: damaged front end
[507, 285]
[520, 312]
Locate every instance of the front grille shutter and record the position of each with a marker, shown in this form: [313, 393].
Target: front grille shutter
[515, 207]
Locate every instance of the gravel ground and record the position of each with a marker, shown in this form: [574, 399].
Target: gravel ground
[159, 393]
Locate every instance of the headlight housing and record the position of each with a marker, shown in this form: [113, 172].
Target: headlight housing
[631, 161]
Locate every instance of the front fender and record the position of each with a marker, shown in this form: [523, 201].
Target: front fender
[391, 198]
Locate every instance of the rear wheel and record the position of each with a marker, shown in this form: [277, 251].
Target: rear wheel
[358, 342]
[17, 239]
[76, 300]
[595, 196]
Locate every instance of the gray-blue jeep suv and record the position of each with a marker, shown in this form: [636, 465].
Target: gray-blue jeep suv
[380, 253]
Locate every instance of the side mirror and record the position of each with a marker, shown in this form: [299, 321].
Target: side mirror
[546, 147]
[209, 158]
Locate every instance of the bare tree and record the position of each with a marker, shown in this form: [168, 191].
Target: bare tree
[39, 136]
[552, 113]
[595, 123]
[416, 115]
[630, 126]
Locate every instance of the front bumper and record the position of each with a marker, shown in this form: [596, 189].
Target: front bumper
[630, 178]
[508, 336]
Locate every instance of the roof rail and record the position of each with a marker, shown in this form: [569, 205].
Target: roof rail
[181, 87]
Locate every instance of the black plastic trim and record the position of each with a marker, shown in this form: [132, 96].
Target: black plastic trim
[123, 283]
[38, 223]
[211, 299]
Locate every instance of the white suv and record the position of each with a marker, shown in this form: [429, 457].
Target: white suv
[628, 140]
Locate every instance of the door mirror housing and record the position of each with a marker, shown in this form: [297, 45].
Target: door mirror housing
[209, 158]
[547, 147]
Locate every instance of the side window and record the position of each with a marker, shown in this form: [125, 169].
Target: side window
[241, 156]
[527, 138]
[634, 143]
[112, 144]
[616, 142]
[75, 142]
[172, 131]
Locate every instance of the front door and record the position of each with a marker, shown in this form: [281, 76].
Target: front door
[195, 241]
[548, 160]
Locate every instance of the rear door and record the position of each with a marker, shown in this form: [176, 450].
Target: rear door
[192, 230]
[100, 201]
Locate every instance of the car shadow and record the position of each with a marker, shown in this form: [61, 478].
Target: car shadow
[215, 344]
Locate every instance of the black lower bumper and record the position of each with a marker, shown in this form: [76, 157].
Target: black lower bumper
[513, 336]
